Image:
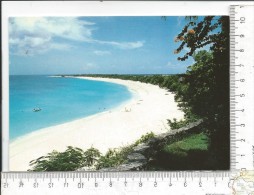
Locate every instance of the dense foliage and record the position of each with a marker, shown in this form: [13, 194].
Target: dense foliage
[192, 142]
[114, 157]
[174, 124]
[189, 153]
[75, 158]
[164, 81]
[205, 88]
[70, 160]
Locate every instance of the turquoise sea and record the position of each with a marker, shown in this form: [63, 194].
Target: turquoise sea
[60, 100]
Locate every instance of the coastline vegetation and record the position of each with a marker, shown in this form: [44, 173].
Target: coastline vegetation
[189, 153]
[74, 158]
[202, 93]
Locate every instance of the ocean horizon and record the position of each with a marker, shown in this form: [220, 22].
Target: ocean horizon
[40, 101]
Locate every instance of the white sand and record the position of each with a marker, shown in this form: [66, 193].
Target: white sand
[147, 111]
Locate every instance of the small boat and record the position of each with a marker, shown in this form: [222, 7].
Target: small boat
[36, 109]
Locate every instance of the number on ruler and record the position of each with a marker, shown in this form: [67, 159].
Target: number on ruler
[6, 185]
[66, 185]
[21, 184]
[80, 185]
[242, 20]
[50, 185]
[35, 185]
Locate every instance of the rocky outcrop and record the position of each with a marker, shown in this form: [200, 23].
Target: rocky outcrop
[136, 157]
[141, 154]
[129, 166]
[176, 134]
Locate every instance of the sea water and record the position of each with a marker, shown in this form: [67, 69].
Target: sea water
[60, 99]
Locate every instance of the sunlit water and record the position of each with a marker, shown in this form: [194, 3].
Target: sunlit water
[60, 100]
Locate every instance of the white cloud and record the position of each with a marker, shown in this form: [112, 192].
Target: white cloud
[65, 27]
[101, 53]
[36, 34]
[89, 66]
[123, 45]
[60, 46]
[39, 34]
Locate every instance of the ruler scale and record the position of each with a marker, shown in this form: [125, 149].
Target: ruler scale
[197, 182]
[241, 86]
[146, 182]
[232, 90]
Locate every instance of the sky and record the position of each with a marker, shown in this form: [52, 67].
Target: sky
[95, 45]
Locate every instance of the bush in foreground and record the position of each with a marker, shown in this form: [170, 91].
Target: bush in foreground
[189, 153]
[68, 160]
[75, 158]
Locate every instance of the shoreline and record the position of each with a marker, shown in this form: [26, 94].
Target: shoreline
[147, 110]
[73, 120]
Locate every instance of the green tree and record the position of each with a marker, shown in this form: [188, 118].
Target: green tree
[205, 87]
[69, 160]
[91, 156]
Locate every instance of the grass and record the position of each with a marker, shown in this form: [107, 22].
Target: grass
[115, 157]
[188, 153]
[182, 148]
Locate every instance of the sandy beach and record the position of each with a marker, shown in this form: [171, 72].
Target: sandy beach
[147, 111]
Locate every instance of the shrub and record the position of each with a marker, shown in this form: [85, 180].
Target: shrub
[91, 156]
[75, 158]
[69, 160]
[144, 138]
[115, 157]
